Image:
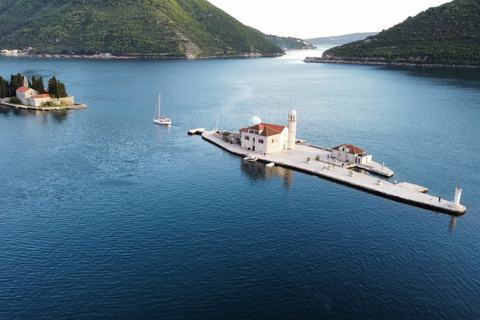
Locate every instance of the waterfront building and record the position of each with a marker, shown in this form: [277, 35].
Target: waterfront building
[39, 99]
[268, 138]
[351, 154]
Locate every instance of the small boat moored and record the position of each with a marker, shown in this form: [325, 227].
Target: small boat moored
[250, 159]
[270, 164]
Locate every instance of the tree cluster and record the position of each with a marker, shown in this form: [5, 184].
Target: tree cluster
[56, 89]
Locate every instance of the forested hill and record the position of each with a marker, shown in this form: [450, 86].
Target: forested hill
[446, 35]
[171, 28]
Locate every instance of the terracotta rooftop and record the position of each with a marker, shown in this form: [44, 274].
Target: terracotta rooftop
[265, 128]
[351, 148]
[39, 96]
[23, 89]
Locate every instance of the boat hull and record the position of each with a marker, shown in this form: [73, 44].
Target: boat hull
[162, 121]
[250, 159]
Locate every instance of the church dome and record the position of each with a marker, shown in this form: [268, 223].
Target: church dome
[293, 112]
[254, 121]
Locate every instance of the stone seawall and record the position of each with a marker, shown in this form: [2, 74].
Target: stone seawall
[296, 160]
[25, 107]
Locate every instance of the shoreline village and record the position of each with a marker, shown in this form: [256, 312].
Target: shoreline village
[277, 144]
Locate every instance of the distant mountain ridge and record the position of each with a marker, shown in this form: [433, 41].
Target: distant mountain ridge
[161, 28]
[445, 35]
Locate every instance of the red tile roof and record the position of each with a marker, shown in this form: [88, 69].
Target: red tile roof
[265, 128]
[351, 148]
[23, 89]
[40, 96]
[268, 131]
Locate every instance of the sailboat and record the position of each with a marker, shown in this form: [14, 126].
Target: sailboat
[159, 119]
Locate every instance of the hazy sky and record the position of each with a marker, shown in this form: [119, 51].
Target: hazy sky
[318, 18]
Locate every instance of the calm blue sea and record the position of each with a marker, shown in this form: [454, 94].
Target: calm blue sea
[104, 215]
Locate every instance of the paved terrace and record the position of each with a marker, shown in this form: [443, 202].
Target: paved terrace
[297, 159]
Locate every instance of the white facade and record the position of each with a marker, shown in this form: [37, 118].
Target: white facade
[351, 154]
[264, 138]
[269, 138]
[39, 99]
[24, 93]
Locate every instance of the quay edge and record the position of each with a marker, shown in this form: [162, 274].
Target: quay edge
[363, 182]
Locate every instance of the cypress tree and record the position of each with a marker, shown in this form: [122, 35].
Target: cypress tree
[3, 88]
[61, 90]
[16, 81]
[52, 87]
[41, 88]
[34, 83]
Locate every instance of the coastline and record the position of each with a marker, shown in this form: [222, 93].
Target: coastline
[25, 107]
[125, 57]
[388, 64]
[295, 159]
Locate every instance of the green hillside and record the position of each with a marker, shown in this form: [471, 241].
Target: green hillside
[447, 35]
[172, 28]
[290, 43]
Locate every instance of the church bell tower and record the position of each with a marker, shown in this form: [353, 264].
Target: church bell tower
[292, 129]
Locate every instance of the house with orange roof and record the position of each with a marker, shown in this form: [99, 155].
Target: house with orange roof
[268, 138]
[39, 99]
[351, 154]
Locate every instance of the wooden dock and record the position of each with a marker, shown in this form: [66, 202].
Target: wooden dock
[296, 159]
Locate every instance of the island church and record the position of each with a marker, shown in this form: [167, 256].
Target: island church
[29, 96]
[269, 138]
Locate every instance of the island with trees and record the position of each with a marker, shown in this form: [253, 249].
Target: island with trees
[20, 92]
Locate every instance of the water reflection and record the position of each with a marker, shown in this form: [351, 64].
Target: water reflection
[5, 111]
[57, 115]
[453, 223]
[463, 77]
[258, 171]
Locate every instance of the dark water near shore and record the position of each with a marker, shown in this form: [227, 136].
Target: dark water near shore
[105, 215]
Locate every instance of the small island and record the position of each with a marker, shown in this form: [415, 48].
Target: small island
[22, 93]
[277, 145]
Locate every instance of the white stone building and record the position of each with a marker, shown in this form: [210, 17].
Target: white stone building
[29, 96]
[39, 99]
[351, 154]
[267, 138]
[25, 93]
